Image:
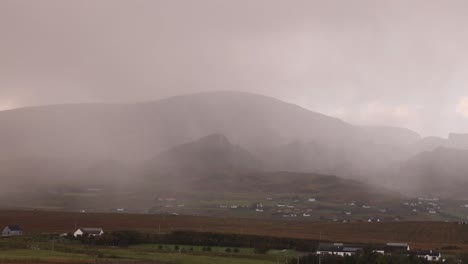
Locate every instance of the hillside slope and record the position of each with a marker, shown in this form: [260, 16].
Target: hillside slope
[91, 133]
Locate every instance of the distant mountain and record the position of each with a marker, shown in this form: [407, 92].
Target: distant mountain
[457, 140]
[213, 164]
[430, 143]
[262, 125]
[454, 140]
[140, 130]
[320, 186]
[73, 143]
[212, 155]
[442, 171]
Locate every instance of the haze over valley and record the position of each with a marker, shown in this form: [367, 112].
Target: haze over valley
[321, 110]
[238, 148]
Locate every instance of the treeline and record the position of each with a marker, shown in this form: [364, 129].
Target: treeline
[261, 244]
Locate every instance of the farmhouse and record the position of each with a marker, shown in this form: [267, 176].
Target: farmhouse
[88, 232]
[12, 230]
[429, 255]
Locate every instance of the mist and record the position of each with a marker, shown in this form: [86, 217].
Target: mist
[144, 99]
[367, 63]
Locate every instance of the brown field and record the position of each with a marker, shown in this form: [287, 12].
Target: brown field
[418, 234]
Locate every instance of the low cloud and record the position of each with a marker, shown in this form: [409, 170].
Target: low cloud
[7, 103]
[462, 106]
[381, 110]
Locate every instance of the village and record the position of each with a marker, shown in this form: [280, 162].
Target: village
[322, 209]
[347, 249]
[307, 208]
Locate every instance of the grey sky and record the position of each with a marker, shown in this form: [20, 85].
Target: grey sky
[400, 63]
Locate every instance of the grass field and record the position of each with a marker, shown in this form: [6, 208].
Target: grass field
[147, 253]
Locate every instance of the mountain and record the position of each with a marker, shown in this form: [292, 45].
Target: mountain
[74, 143]
[454, 140]
[442, 171]
[208, 156]
[90, 133]
[430, 143]
[140, 130]
[458, 140]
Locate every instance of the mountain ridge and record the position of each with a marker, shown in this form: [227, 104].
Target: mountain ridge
[282, 136]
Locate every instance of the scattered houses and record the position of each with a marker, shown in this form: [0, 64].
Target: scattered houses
[429, 255]
[339, 249]
[12, 230]
[428, 199]
[345, 249]
[88, 231]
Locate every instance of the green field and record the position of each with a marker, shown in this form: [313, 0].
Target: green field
[41, 250]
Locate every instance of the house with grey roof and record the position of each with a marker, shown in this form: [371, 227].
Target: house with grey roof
[12, 230]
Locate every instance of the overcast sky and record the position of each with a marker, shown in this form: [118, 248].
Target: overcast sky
[399, 63]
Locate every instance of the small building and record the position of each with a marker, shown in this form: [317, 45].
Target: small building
[88, 231]
[338, 249]
[12, 230]
[429, 255]
[345, 249]
[393, 248]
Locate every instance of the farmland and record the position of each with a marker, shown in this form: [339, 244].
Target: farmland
[41, 243]
[418, 234]
[131, 255]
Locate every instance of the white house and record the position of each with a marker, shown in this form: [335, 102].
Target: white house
[338, 249]
[88, 232]
[429, 255]
[12, 230]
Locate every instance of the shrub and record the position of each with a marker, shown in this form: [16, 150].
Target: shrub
[261, 248]
[206, 248]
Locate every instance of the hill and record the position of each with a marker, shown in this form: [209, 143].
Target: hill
[168, 140]
[440, 172]
[210, 155]
[90, 133]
